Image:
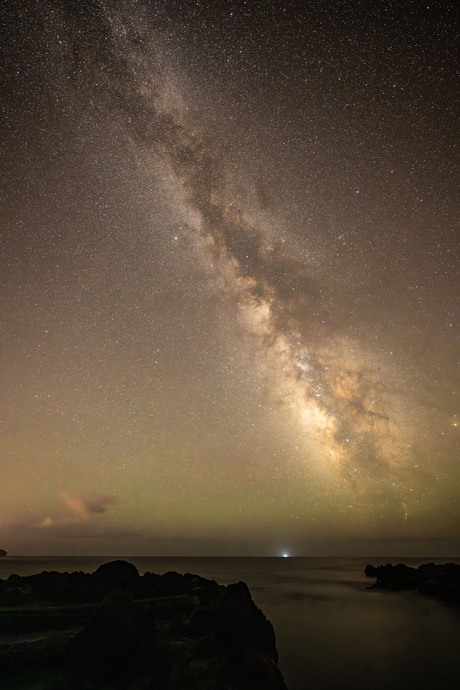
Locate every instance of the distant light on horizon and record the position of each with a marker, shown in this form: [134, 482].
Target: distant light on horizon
[285, 555]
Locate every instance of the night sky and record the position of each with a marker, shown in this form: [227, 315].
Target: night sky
[228, 278]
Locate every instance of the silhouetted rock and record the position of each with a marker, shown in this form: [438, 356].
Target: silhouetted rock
[117, 644]
[115, 629]
[117, 572]
[243, 629]
[440, 581]
[244, 633]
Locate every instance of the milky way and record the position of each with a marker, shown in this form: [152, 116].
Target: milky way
[229, 278]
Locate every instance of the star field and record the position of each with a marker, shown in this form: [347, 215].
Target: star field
[229, 279]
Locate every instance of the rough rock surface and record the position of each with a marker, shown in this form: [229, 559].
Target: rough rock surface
[115, 629]
[439, 581]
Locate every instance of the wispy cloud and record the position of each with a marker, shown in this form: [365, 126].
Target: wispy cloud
[81, 508]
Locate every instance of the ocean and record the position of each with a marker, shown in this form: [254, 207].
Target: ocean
[332, 631]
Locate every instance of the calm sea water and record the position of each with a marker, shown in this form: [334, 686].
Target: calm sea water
[332, 632]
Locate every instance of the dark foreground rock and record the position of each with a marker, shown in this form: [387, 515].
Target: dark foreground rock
[117, 630]
[439, 581]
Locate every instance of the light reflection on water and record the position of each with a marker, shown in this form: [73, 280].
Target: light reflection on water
[332, 632]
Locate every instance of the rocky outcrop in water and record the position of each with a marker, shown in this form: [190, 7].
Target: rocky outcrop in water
[439, 581]
[117, 630]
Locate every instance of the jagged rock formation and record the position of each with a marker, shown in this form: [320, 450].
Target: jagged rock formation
[115, 629]
[439, 581]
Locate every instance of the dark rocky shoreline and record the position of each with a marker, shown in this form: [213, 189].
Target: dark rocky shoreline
[117, 630]
[439, 581]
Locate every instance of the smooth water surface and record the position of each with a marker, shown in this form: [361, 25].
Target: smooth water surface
[332, 632]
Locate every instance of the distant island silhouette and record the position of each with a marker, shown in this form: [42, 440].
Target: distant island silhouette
[439, 581]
